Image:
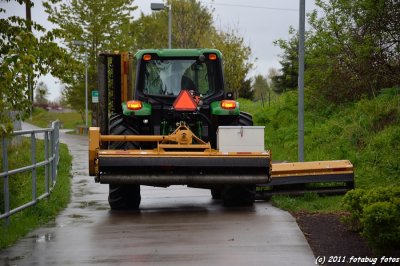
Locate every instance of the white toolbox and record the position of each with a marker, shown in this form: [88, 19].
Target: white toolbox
[240, 138]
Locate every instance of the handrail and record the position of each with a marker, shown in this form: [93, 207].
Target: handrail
[50, 162]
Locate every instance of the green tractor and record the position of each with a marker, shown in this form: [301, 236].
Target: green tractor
[169, 129]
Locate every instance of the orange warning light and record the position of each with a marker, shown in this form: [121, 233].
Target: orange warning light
[147, 57]
[134, 105]
[212, 57]
[185, 102]
[228, 104]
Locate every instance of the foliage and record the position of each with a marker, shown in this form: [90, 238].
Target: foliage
[24, 55]
[287, 79]
[45, 210]
[263, 87]
[260, 88]
[376, 213]
[41, 93]
[237, 63]
[102, 26]
[191, 21]
[245, 90]
[356, 48]
[352, 50]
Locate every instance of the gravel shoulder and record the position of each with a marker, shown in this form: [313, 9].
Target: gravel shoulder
[329, 237]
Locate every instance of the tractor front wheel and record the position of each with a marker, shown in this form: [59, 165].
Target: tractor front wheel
[124, 197]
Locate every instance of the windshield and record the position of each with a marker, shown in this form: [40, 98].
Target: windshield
[169, 77]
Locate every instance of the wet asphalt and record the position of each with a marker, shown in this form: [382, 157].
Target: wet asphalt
[174, 226]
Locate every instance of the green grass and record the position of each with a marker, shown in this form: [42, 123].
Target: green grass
[366, 132]
[20, 190]
[310, 202]
[43, 118]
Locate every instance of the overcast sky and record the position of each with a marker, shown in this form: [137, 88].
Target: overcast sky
[260, 22]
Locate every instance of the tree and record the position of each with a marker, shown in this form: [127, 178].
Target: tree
[287, 79]
[190, 24]
[272, 73]
[41, 93]
[261, 88]
[237, 62]
[352, 50]
[104, 25]
[22, 54]
[245, 90]
[355, 48]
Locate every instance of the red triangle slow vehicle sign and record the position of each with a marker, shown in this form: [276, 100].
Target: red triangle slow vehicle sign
[185, 102]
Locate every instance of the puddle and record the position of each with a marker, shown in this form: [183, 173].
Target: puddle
[45, 238]
[103, 208]
[77, 216]
[85, 204]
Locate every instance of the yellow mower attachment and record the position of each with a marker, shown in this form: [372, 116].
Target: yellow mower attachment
[180, 158]
[324, 177]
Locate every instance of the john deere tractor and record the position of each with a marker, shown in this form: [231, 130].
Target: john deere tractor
[169, 130]
[178, 126]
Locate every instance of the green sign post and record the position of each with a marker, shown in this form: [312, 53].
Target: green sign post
[95, 96]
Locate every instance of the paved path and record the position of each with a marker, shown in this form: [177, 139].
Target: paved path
[175, 226]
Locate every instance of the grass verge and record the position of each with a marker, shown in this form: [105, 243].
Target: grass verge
[45, 210]
[43, 118]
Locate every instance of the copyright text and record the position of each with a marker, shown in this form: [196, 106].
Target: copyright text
[321, 260]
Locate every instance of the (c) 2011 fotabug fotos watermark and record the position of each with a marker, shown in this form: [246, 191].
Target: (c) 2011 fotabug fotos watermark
[322, 260]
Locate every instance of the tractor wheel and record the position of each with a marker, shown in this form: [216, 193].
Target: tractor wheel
[122, 196]
[240, 195]
[122, 125]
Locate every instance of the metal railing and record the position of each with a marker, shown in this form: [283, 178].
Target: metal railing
[50, 163]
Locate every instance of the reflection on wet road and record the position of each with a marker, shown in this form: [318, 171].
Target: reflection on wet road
[175, 226]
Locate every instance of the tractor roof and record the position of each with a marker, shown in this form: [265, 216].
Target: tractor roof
[177, 52]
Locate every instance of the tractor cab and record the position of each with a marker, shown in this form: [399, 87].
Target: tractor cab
[163, 74]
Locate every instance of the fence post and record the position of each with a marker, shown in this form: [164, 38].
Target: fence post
[54, 150]
[5, 180]
[46, 157]
[33, 159]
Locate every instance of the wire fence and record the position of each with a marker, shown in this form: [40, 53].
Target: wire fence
[49, 163]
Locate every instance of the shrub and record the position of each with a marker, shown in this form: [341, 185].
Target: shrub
[352, 202]
[376, 214]
[381, 225]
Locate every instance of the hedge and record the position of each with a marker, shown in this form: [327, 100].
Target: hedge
[376, 214]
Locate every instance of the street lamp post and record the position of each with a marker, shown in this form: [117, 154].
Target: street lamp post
[301, 81]
[161, 6]
[82, 43]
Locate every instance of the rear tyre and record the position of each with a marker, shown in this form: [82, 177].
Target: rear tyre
[240, 195]
[122, 196]
[122, 125]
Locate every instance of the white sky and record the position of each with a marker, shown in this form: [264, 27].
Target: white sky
[260, 22]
